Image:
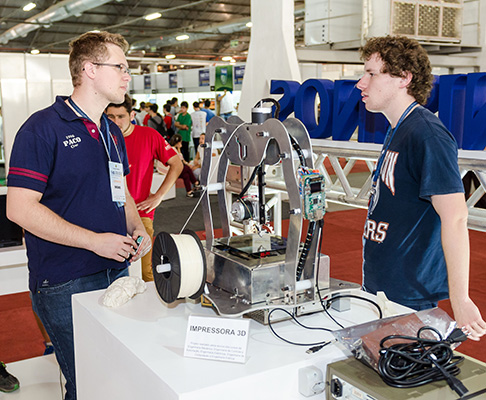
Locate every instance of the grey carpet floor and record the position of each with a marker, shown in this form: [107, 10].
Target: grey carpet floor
[171, 215]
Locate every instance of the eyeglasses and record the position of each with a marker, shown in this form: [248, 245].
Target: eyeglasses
[122, 68]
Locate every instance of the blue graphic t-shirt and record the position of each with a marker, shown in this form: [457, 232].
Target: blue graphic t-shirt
[402, 248]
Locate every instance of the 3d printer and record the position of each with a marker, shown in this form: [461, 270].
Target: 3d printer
[253, 272]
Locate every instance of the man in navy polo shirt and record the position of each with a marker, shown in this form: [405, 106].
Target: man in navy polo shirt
[416, 246]
[67, 190]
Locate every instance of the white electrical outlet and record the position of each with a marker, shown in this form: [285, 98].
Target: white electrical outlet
[311, 381]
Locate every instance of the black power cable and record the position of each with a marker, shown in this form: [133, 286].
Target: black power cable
[275, 103]
[305, 249]
[419, 361]
[324, 342]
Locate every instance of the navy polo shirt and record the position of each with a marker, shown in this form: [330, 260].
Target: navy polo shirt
[62, 156]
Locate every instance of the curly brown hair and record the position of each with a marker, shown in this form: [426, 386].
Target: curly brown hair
[91, 46]
[399, 55]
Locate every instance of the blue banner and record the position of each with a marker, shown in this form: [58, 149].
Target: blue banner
[204, 77]
[147, 82]
[239, 73]
[173, 80]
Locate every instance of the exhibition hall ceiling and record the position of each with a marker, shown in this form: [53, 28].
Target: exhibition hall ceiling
[215, 28]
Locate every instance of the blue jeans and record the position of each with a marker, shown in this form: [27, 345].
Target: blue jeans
[53, 306]
[225, 116]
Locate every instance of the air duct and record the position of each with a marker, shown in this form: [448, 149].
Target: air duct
[203, 32]
[57, 12]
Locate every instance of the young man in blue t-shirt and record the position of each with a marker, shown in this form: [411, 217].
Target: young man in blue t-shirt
[416, 246]
[67, 190]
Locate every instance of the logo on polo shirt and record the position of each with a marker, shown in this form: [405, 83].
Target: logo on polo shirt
[71, 141]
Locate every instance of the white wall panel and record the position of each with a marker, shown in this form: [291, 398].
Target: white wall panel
[191, 79]
[162, 82]
[308, 71]
[138, 83]
[61, 87]
[180, 78]
[37, 68]
[12, 66]
[471, 25]
[39, 95]
[14, 110]
[59, 66]
[29, 83]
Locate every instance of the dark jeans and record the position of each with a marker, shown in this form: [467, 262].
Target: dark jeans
[53, 306]
[196, 145]
[185, 151]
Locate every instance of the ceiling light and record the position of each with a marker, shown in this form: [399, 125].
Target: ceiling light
[182, 37]
[34, 51]
[181, 66]
[249, 24]
[170, 56]
[152, 16]
[29, 6]
[232, 61]
[227, 58]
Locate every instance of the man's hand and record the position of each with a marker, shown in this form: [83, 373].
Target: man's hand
[144, 247]
[453, 212]
[469, 319]
[114, 246]
[150, 203]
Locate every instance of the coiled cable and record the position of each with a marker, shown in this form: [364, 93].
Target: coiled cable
[419, 361]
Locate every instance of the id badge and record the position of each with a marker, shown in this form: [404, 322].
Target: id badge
[117, 182]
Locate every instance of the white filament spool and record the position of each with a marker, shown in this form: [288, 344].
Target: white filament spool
[191, 262]
[179, 266]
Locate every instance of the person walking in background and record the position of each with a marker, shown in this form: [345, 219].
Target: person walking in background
[184, 124]
[186, 175]
[139, 117]
[144, 146]
[209, 114]
[198, 118]
[226, 106]
[416, 245]
[174, 106]
[66, 188]
[169, 123]
[156, 121]
[147, 115]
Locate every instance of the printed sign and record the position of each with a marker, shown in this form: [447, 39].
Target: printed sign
[239, 73]
[147, 82]
[173, 80]
[220, 339]
[204, 77]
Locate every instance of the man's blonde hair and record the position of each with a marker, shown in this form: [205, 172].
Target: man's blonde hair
[91, 46]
